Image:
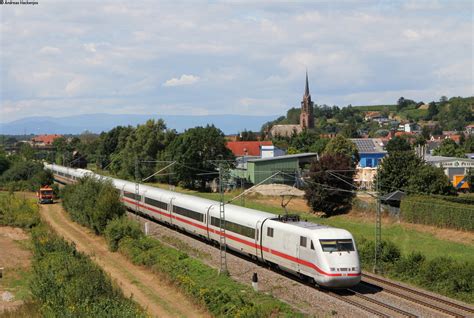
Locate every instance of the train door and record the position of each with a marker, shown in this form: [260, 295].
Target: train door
[258, 229]
[208, 220]
[170, 210]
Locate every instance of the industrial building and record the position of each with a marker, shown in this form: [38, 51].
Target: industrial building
[256, 170]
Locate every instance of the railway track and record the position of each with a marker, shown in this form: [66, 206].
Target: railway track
[407, 294]
[342, 295]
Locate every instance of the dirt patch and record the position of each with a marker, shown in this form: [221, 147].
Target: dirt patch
[154, 294]
[15, 260]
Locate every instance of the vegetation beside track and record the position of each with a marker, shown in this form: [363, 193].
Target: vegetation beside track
[68, 284]
[62, 282]
[457, 212]
[221, 295]
[443, 275]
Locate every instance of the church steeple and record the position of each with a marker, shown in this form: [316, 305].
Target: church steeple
[306, 89]
[307, 116]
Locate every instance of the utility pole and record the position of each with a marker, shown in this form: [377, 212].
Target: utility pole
[222, 239]
[378, 228]
[242, 188]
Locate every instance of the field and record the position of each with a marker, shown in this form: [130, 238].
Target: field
[408, 237]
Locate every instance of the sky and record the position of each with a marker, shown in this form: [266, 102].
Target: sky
[62, 58]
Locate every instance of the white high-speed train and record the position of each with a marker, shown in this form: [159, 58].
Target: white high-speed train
[324, 254]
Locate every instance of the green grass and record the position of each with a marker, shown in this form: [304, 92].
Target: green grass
[17, 282]
[409, 240]
[415, 114]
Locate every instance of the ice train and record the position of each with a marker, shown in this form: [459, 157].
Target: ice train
[325, 255]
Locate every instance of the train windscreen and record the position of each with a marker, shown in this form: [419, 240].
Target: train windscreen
[345, 245]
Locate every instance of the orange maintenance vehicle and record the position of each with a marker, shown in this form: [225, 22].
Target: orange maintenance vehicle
[45, 195]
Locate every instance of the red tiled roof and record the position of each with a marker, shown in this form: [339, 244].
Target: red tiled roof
[404, 133]
[247, 148]
[455, 138]
[46, 139]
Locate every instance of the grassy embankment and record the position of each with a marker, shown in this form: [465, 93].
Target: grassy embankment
[61, 282]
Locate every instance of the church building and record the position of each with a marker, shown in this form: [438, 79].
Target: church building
[306, 117]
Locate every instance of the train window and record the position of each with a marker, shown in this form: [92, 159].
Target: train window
[156, 203]
[303, 241]
[337, 245]
[133, 196]
[312, 246]
[270, 231]
[188, 213]
[234, 227]
[257, 235]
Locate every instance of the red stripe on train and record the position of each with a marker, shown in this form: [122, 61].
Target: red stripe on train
[237, 239]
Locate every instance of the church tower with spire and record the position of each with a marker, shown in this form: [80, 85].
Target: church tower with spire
[307, 116]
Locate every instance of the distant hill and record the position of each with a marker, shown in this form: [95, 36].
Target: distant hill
[376, 108]
[229, 124]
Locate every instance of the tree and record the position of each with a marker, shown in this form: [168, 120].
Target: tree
[350, 130]
[4, 163]
[430, 180]
[330, 185]
[247, 135]
[396, 169]
[449, 148]
[397, 144]
[196, 151]
[425, 132]
[403, 103]
[146, 143]
[469, 144]
[432, 111]
[343, 146]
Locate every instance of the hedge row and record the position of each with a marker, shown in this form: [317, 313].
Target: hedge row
[15, 211]
[221, 295]
[438, 212]
[441, 275]
[92, 203]
[68, 284]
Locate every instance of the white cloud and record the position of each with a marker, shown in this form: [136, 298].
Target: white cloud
[90, 47]
[183, 80]
[355, 53]
[49, 50]
[74, 86]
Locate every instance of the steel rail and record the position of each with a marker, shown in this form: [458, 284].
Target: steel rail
[417, 293]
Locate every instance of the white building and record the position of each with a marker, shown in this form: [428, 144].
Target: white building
[271, 151]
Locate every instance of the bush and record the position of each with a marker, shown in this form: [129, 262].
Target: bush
[68, 284]
[92, 203]
[438, 212]
[18, 212]
[218, 293]
[119, 228]
[442, 275]
[25, 175]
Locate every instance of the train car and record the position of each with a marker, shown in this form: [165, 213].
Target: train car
[328, 256]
